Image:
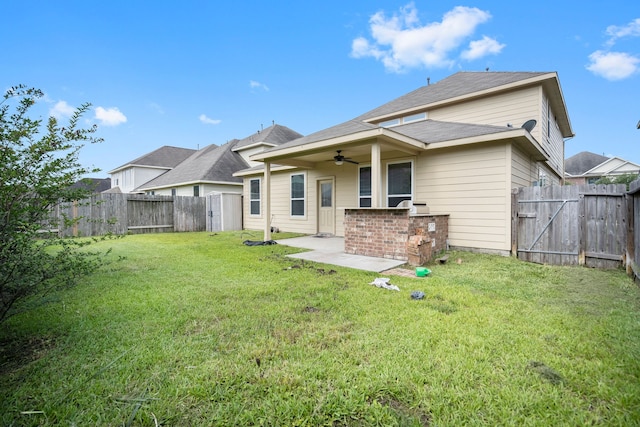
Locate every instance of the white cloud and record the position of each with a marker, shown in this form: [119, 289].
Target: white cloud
[61, 110]
[206, 120]
[110, 116]
[613, 65]
[401, 42]
[479, 48]
[257, 85]
[156, 107]
[632, 29]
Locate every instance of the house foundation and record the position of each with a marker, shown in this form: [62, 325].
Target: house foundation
[395, 233]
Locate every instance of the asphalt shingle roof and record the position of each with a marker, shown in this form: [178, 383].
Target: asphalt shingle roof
[459, 84]
[276, 135]
[582, 162]
[212, 163]
[165, 156]
[432, 131]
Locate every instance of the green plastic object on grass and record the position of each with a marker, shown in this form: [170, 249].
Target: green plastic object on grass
[422, 271]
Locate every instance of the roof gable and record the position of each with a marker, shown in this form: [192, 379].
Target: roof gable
[273, 135]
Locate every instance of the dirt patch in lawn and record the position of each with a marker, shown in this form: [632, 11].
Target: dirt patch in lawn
[16, 353]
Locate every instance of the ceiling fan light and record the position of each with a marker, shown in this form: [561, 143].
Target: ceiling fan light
[339, 162]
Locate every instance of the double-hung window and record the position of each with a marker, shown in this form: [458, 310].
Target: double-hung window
[364, 186]
[399, 183]
[297, 195]
[254, 196]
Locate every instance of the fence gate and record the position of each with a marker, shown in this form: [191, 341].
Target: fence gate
[224, 211]
[570, 225]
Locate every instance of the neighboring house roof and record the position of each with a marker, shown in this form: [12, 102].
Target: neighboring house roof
[165, 157]
[210, 164]
[273, 135]
[215, 164]
[113, 190]
[582, 162]
[586, 164]
[96, 185]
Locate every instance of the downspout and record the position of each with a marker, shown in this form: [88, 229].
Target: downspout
[267, 202]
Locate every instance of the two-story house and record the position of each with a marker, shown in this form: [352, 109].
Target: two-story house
[459, 145]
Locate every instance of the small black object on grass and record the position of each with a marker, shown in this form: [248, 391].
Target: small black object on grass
[417, 295]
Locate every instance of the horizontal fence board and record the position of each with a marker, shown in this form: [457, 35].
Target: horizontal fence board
[131, 213]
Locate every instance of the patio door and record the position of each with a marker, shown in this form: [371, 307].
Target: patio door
[326, 208]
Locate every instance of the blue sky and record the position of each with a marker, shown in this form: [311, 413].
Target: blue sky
[192, 73]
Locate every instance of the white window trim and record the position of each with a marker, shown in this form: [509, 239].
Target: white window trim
[358, 181]
[303, 198]
[412, 118]
[413, 178]
[259, 199]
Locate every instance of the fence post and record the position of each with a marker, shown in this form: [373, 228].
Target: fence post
[631, 242]
[582, 230]
[514, 221]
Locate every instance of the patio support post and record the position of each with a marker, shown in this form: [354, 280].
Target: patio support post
[376, 176]
[267, 201]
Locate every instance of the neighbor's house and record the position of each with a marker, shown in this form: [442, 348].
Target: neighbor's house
[458, 145]
[128, 177]
[211, 168]
[587, 168]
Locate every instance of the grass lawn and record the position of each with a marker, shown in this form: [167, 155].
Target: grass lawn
[196, 329]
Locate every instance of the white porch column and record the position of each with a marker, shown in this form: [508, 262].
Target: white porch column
[267, 201]
[376, 176]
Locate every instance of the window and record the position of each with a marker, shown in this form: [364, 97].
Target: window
[403, 120]
[173, 191]
[414, 118]
[548, 122]
[254, 197]
[196, 191]
[297, 195]
[399, 183]
[389, 123]
[364, 187]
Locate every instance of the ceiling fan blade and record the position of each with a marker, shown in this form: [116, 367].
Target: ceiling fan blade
[351, 161]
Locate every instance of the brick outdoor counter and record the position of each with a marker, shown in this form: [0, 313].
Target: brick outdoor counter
[393, 233]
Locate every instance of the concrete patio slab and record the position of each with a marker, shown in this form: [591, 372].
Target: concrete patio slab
[330, 250]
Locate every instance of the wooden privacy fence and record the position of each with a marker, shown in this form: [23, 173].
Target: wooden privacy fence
[572, 225]
[134, 214]
[633, 241]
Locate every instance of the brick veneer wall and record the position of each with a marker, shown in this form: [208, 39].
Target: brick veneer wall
[384, 233]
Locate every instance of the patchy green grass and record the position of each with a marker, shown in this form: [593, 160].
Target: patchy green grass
[197, 329]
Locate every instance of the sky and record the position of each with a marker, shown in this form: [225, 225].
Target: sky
[194, 73]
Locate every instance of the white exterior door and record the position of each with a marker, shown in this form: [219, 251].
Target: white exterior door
[326, 208]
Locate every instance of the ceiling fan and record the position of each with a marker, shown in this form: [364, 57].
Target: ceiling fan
[339, 159]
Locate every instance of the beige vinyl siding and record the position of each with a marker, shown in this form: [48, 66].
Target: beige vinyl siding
[552, 140]
[514, 107]
[345, 188]
[524, 170]
[469, 184]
